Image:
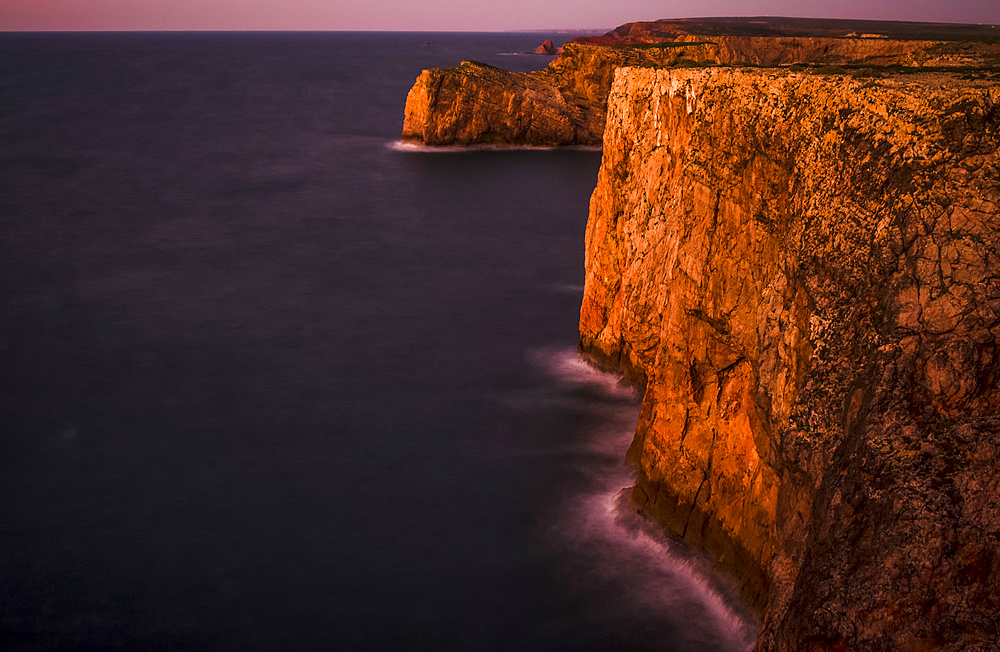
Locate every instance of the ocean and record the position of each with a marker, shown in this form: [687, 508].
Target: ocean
[270, 381]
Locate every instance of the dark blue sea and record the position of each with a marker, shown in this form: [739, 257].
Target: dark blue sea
[270, 382]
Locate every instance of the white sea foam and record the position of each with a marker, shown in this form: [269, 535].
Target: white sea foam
[565, 288]
[613, 547]
[659, 573]
[568, 366]
[409, 146]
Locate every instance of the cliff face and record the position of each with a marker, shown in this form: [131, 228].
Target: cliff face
[566, 104]
[478, 104]
[805, 268]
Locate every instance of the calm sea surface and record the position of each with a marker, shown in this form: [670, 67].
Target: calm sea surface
[267, 382]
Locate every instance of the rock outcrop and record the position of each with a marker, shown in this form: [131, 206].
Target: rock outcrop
[804, 270]
[547, 47]
[475, 103]
[566, 103]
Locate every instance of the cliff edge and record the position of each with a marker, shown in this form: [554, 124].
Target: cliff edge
[566, 103]
[805, 269]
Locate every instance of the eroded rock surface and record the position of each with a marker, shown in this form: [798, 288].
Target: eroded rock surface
[564, 104]
[805, 268]
[464, 105]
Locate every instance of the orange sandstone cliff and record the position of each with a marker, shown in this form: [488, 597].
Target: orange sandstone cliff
[804, 270]
[801, 264]
[566, 103]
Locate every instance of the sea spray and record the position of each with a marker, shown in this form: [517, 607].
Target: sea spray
[606, 546]
[415, 147]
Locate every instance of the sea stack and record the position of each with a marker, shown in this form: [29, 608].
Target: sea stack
[546, 47]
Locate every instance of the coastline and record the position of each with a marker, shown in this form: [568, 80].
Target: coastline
[416, 147]
[744, 267]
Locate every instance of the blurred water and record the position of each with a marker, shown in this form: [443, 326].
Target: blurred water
[268, 382]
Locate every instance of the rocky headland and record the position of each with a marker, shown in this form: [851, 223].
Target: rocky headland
[800, 262]
[566, 103]
[803, 269]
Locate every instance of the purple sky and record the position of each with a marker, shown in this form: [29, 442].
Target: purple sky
[429, 15]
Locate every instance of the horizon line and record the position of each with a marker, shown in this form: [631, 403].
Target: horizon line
[556, 30]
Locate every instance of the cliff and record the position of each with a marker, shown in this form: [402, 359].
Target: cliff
[477, 103]
[566, 103]
[804, 270]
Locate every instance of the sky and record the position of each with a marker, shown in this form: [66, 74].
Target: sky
[449, 15]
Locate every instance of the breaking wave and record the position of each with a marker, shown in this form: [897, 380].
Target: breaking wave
[605, 546]
[405, 146]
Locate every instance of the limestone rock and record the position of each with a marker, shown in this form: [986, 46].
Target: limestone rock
[805, 269]
[566, 103]
[475, 103]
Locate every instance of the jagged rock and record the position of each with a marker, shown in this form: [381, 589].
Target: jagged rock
[805, 270]
[464, 105]
[564, 104]
[547, 47]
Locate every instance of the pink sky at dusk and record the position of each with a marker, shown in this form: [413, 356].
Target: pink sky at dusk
[447, 14]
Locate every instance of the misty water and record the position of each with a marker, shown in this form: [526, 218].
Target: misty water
[268, 381]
